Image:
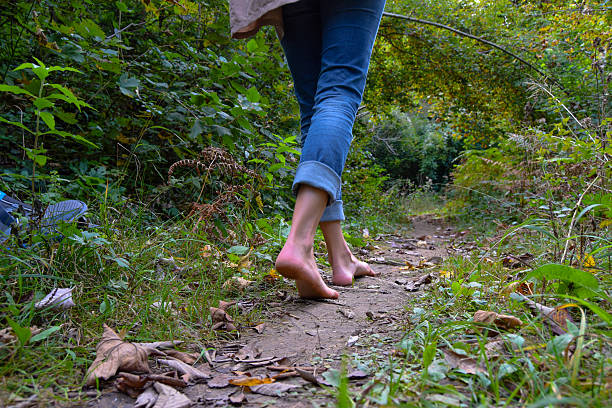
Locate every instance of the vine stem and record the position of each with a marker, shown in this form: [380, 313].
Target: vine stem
[480, 39]
[42, 84]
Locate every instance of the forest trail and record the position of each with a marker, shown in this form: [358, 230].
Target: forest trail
[364, 324]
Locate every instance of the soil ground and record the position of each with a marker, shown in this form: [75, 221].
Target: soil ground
[363, 324]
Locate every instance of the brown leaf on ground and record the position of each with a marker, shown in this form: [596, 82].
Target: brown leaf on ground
[514, 262]
[237, 398]
[506, 322]
[219, 381]
[193, 372]
[357, 375]
[160, 345]
[273, 389]
[113, 354]
[223, 305]
[248, 352]
[308, 376]
[522, 287]
[260, 328]
[170, 398]
[147, 399]
[132, 384]
[556, 318]
[416, 284]
[467, 364]
[221, 319]
[236, 284]
[495, 348]
[188, 358]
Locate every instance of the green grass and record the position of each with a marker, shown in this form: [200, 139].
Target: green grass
[534, 366]
[118, 279]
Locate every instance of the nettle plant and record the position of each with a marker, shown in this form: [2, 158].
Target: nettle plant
[44, 106]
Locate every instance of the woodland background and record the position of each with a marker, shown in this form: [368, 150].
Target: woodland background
[182, 142]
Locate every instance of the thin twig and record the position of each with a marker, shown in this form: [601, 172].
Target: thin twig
[571, 227]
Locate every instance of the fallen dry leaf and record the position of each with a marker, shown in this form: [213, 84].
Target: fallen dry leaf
[248, 352]
[113, 354]
[160, 344]
[236, 284]
[416, 284]
[250, 381]
[220, 318]
[170, 398]
[556, 318]
[308, 376]
[260, 328]
[57, 298]
[357, 375]
[467, 364]
[514, 262]
[193, 372]
[495, 348]
[272, 276]
[522, 287]
[273, 389]
[238, 398]
[349, 314]
[146, 399]
[219, 381]
[188, 358]
[506, 322]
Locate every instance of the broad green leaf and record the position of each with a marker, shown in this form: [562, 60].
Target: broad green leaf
[127, 84]
[196, 130]
[44, 334]
[78, 138]
[67, 117]
[252, 45]
[67, 92]
[238, 250]
[15, 90]
[253, 95]
[121, 6]
[48, 118]
[23, 333]
[43, 103]
[16, 124]
[25, 65]
[565, 273]
[56, 68]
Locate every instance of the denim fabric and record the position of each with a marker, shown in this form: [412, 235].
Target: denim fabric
[328, 44]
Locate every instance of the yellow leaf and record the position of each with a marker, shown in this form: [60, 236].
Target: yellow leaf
[447, 274]
[250, 382]
[588, 261]
[605, 223]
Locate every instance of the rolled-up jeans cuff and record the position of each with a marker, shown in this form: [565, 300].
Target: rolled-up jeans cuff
[318, 175]
[333, 212]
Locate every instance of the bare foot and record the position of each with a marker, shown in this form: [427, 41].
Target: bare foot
[297, 263]
[346, 267]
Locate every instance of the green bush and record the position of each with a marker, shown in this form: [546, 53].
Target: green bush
[412, 147]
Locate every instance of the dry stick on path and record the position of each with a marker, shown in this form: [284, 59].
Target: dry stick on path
[473, 37]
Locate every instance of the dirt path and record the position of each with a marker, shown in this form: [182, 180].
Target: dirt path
[364, 323]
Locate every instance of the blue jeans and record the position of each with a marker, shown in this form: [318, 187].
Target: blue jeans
[328, 44]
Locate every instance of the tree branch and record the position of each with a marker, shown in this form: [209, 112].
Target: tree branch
[482, 40]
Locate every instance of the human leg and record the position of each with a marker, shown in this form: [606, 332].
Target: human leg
[338, 36]
[348, 31]
[345, 265]
[296, 260]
